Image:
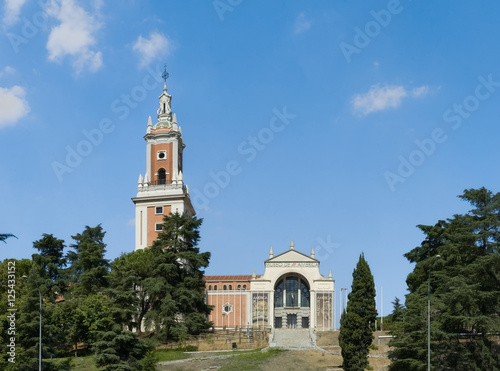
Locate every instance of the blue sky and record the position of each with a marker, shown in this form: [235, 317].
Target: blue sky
[349, 122]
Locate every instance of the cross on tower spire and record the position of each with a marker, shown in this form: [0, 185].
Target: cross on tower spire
[165, 75]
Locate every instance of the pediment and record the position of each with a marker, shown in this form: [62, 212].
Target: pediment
[291, 256]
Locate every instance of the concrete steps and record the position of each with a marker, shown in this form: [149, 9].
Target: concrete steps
[292, 339]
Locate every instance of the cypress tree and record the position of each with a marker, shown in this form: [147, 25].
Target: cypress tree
[357, 322]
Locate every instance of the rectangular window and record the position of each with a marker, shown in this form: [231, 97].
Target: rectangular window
[292, 292]
[159, 210]
[305, 322]
[278, 322]
[158, 227]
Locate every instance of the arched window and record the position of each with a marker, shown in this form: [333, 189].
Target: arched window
[239, 287]
[244, 287]
[304, 294]
[162, 177]
[210, 288]
[224, 287]
[278, 295]
[215, 288]
[230, 287]
[291, 292]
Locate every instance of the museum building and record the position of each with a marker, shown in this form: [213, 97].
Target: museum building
[290, 294]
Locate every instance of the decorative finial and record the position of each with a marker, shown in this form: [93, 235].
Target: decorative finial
[165, 74]
[254, 275]
[291, 245]
[312, 252]
[271, 253]
[330, 274]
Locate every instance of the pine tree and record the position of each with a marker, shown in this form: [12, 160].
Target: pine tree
[89, 269]
[117, 349]
[465, 292]
[52, 262]
[28, 323]
[130, 281]
[358, 320]
[45, 281]
[4, 236]
[176, 288]
[397, 311]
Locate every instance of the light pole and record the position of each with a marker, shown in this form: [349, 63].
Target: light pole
[39, 331]
[429, 318]
[345, 298]
[340, 308]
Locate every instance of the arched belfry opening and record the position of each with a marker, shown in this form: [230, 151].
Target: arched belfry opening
[292, 301]
[162, 176]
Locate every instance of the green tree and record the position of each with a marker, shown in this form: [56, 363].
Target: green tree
[131, 280]
[28, 323]
[397, 311]
[176, 288]
[117, 349]
[4, 236]
[51, 261]
[89, 269]
[465, 292]
[11, 269]
[358, 320]
[43, 282]
[81, 316]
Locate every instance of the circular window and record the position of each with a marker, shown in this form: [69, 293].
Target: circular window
[162, 155]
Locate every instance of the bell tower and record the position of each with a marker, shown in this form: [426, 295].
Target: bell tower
[162, 190]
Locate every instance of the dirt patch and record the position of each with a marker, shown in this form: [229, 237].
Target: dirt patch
[293, 360]
[304, 360]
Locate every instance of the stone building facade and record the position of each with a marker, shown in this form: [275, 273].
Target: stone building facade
[290, 294]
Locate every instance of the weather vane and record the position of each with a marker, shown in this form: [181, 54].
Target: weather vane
[165, 74]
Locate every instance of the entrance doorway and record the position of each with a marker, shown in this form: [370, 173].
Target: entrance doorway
[291, 302]
[291, 320]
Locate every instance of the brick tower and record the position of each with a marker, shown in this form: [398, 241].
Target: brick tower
[162, 190]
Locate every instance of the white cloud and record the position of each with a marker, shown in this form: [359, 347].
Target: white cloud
[380, 98]
[420, 91]
[8, 70]
[75, 36]
[149, 49]
[302, 24]
[12, 9]
[13, 105]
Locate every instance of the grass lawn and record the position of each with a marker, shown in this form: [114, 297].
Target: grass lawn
[84, 364]
[250, 360]
[169, 355]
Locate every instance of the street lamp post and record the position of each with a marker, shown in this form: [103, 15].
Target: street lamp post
[345, 298]
[429, 318]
